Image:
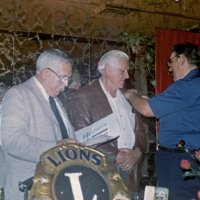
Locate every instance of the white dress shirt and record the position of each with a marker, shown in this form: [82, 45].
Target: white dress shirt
[125, 118]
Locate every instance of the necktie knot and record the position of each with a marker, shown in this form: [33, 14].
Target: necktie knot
[51, 100]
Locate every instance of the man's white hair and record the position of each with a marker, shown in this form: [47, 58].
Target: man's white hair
[110, 57]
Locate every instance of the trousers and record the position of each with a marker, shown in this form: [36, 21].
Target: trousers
[170, 175]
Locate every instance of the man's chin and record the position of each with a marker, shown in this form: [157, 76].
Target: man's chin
[122, 85]
[57, 93]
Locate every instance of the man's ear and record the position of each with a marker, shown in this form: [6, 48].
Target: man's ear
[182, 59]
[107, 67]
[45, 73]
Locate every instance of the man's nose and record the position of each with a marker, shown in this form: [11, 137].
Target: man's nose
[126, 75]
[65, 83]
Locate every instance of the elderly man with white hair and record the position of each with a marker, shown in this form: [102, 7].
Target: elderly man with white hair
[104, 97]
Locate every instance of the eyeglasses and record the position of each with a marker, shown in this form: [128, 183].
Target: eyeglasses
[169, 62]
[63, 79]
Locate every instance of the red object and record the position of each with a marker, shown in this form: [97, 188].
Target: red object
[185, 164]
[197, 154]
[198, 194]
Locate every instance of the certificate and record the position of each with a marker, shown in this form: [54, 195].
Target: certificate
[101, 131]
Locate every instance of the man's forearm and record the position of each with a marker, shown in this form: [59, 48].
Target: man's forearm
[140, 104]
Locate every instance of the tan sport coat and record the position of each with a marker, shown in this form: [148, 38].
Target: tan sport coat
[28, 127]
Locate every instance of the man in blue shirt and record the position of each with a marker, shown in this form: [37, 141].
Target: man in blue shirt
[178, 112]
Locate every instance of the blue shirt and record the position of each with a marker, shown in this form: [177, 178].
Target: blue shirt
[178, 111]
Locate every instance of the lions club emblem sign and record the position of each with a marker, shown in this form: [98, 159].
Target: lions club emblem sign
[74, 172]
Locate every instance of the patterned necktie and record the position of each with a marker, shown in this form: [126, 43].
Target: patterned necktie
[58, 117]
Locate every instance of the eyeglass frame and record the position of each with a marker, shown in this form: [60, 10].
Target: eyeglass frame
[63, 79]
[169, 61]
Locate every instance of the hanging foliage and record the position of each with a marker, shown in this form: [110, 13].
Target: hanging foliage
[141, 46]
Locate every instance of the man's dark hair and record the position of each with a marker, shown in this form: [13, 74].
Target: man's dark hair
[190, 50]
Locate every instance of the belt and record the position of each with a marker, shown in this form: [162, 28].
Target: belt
[175, 150]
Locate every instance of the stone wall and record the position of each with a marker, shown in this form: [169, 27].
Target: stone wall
[83, 28]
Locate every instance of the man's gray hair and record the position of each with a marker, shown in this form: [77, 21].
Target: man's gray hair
[51, 58]
[109, 57]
